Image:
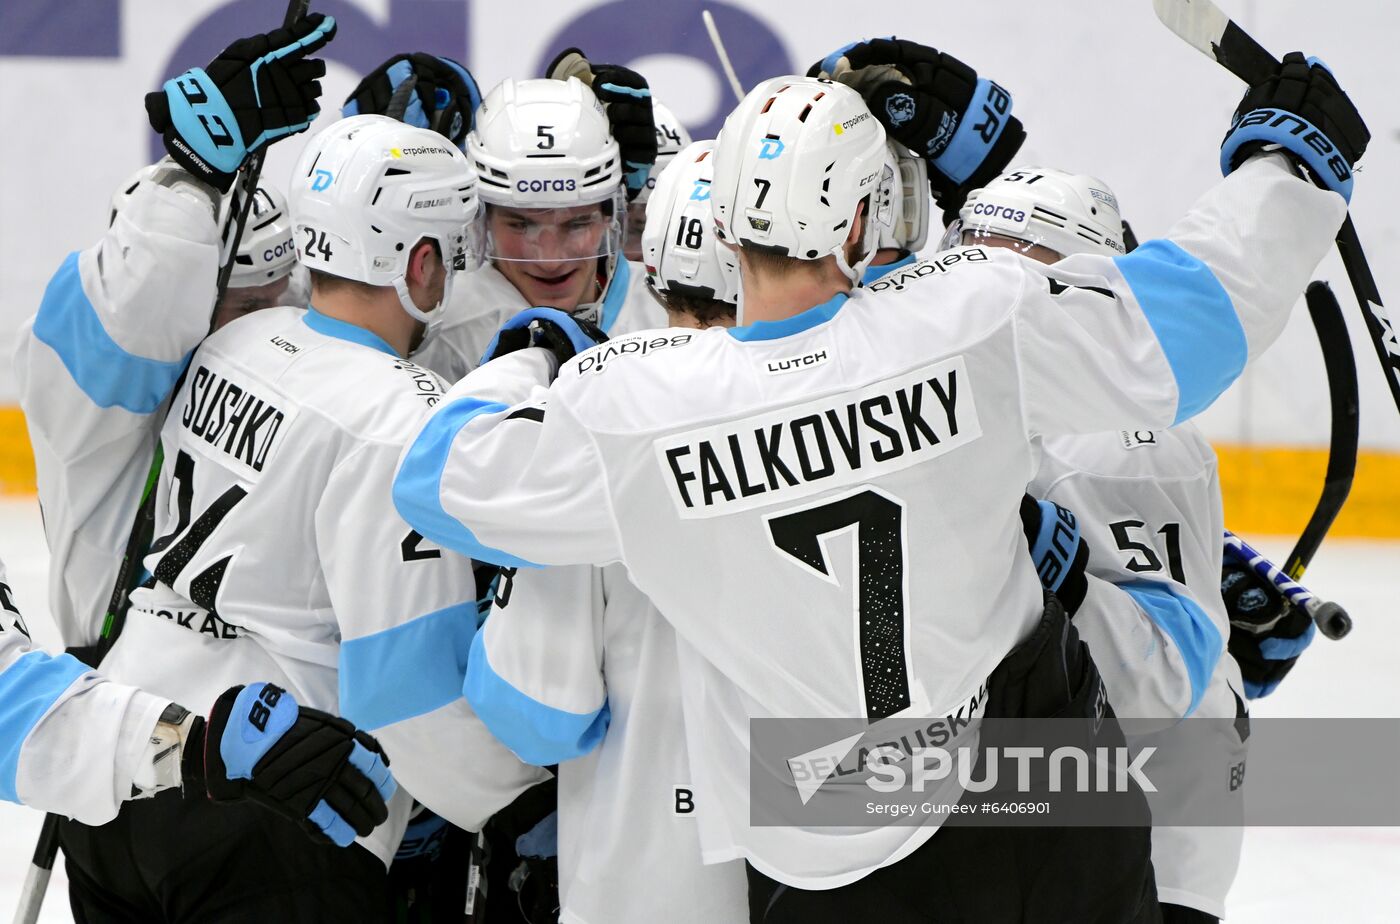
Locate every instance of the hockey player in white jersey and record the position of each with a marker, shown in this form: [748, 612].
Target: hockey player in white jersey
[275, 556]
[599, 665]
[869, 410]
[97, 362]
[556, 182]
[1148, 502]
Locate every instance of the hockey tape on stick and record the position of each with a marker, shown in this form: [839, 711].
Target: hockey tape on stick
[1206, 28]
[1332, 621]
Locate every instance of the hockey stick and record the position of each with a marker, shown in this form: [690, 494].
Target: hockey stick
[36, 880]
[1341, 451]
[1332, 621]
[1206, 28]
[715, 40]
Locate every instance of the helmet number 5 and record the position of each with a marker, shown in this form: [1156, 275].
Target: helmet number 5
[544, 133]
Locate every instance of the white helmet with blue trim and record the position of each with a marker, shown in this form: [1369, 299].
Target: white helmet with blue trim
[679, 247]
[792, 164]
[368, 188]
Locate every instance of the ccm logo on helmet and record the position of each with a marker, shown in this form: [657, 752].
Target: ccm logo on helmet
[992, 210]
[535, 186]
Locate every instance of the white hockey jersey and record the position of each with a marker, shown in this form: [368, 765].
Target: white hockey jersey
[483, 300]
[826, 507]
[95, 367]
[70, 741]
[1148, 503]
[279, 557]
[584, 641]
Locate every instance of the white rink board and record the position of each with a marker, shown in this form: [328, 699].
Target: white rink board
[1102, 87]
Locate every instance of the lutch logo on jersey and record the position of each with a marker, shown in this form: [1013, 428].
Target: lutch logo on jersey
[231, 419]
[812, 447]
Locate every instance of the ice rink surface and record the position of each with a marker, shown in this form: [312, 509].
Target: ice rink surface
[1345, 875]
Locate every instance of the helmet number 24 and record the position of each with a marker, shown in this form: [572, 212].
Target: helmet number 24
[316, 244]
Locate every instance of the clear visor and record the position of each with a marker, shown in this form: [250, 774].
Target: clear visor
[961, 234]
[556, 235]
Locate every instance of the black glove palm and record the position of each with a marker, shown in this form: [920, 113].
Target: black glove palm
[422, 90]
[258, 90]
[936, 106]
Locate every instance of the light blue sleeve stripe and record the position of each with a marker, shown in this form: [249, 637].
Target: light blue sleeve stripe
[107, 374]
[28, 689]
[408, 670]
[617, 294]
[1189, 628]
[969, 148]
[538, 734]
[418, 484]
[641, 93]
[1193, 318]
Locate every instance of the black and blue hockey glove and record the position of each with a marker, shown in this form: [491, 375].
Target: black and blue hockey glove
[312, 767]
[423, 90]
[1060, 553]
[561, 333]
[1267, 634]
[258, 90]
[936, 106]
[627, 100]
[1301, 109]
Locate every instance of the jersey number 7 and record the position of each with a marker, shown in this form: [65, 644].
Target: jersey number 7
[878, 522]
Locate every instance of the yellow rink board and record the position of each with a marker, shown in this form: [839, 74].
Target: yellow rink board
[1269, 490]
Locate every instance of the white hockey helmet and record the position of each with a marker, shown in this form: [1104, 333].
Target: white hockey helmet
[1065, 212]
[679, 246]
[793, 162]
[909, 200]
[671, 137]
[544, 144]
[368, 188]
[126, 190]
[266, 252]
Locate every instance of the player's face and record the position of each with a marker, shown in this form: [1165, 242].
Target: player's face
[247, 299]
[549, 255]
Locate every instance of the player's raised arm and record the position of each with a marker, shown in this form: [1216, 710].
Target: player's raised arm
[1216, 291]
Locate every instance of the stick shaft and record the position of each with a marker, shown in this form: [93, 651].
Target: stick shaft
[723, 55]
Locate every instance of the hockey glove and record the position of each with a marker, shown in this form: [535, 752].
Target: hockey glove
[1060, 553]
[1267, 634]
[936, 106]
[258, 90]
[627, 100]
[312, 767]
[1301, 109]
[561, 333]
[422, 90]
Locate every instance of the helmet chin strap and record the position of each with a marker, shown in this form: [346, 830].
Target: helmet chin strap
[871, 235]
[432, 320]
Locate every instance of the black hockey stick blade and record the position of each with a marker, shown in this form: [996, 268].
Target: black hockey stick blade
[1206, 28]
[1345, 400]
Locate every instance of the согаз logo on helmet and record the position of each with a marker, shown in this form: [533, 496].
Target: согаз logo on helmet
[535, 186]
